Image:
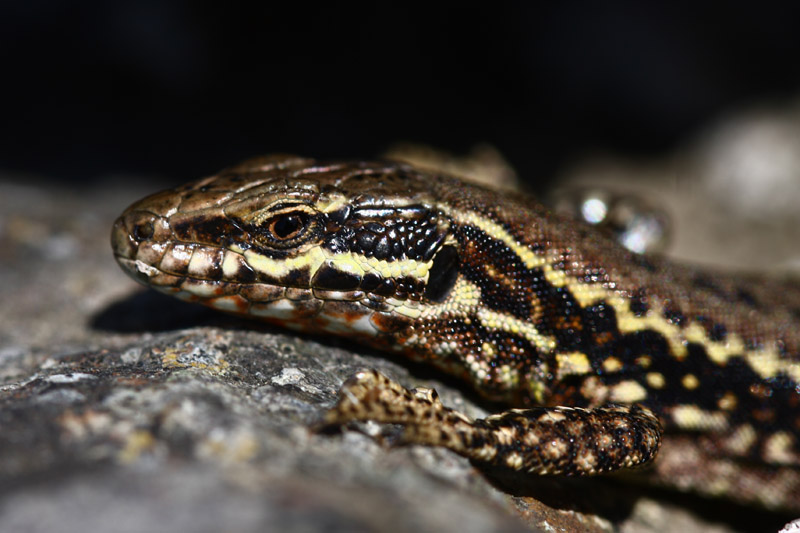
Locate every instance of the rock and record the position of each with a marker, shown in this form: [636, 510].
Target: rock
[124, 410]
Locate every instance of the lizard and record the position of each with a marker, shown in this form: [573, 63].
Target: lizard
[602, 356]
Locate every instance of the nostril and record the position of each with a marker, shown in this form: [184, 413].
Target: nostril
[143, 230]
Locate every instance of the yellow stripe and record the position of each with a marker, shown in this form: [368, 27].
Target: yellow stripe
[347, 262]
[495, 231]
[521, 328]
[766, 361]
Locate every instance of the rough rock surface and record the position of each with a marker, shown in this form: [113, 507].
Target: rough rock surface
[123, 410]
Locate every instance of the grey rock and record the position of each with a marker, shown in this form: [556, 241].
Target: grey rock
[124, 410]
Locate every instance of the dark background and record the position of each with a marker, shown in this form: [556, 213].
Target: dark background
[179, 89]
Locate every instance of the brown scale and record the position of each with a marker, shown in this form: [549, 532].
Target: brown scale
[483, 239]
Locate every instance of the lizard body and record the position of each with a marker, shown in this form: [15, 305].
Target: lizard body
[598, 351]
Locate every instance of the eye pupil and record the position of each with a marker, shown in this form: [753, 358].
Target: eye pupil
[286, 227]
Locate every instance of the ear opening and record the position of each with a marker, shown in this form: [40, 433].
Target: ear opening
[442, 275]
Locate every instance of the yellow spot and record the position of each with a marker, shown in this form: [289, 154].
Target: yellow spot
[777, 449]
[556, 449]
[537, 390]
[487, 452]
[740, 441]
[587, 461]
[766, 363]
[575, 363]
[514, 460]
[508, 376]
[612, 364]
[655, 380]
[690, 382]
[692, 417]
[231, 263]
[628, 392]
[505, 436]
[727, 402]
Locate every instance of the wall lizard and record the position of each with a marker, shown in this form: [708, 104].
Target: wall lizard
[602, 355]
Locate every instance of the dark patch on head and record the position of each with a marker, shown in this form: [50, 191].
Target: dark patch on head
[385, 288]
[365, 241]
[407, 288]
[442, 275]
[389, 233]
[297, 277]
[339, 242]
[329, 278]
[382, 248]
[375, 227]
[245, 274]
[428, 243]
[370, 281]
[389, 322]
[210, 230]
[340, 216]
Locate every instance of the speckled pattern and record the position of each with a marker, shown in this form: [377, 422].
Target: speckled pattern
[529, 308]
[543, 441]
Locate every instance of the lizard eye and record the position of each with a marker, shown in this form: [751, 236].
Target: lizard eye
[287, 226]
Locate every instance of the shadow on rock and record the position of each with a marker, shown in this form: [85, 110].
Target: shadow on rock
[152, 311]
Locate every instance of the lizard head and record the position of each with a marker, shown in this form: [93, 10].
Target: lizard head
[330, 248]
